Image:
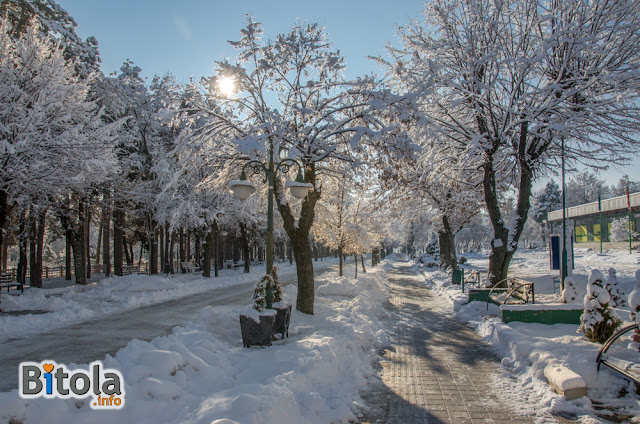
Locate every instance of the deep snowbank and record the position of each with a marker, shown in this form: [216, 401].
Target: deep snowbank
[201, 373]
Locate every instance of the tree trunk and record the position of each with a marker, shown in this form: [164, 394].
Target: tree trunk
[161, 247]
[153, 247]
[79, 244]
[209, 242]
[171, 252]
[106, 248]
[38, 221]
[504, 245]
[118, 240]
[246, 250]
[290, 252]
[188, 246]
[197, 249]
[299, 236]
[87, 238]
[75, 232]
[216, 248]
[67, 257]
[166, 266]
[355, 257]
[4, 212]
[181, 246]
[99, 243]
[446, 239]
[364, 270]
[341, 261]
[22, 249]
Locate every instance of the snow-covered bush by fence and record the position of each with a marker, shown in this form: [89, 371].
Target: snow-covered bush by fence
[597, 322]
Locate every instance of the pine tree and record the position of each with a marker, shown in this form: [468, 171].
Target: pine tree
[597, 322]
[570, 292]
[275, 285]
[259, 293]
[617, 295]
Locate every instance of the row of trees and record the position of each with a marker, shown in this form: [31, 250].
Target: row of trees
[474, 107]
[501, 85]
[149, 163]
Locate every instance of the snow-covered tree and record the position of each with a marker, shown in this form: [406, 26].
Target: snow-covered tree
[288, 96]
[52, 138]
[634, 298]
[52, 22]
[619, 229]
[615, 292]
[585, 187]
[570, 292]
[547, 200]
[597, 322]
[502, 83]
[620, 189]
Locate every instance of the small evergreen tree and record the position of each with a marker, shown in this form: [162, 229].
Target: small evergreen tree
[597, 322]
[634, 299]
[570, 292]
[275, 285]
[259, 293]
[617, 295]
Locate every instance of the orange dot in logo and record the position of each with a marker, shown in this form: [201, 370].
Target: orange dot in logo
[48, 367]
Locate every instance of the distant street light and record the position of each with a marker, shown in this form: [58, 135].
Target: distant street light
[243, 188]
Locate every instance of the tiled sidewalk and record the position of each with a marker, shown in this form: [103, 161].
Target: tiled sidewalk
[437, 370]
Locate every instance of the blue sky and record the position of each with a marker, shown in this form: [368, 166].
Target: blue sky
[186, 37]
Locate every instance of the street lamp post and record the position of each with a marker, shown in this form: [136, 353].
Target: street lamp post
[243, 188]
[564, 272]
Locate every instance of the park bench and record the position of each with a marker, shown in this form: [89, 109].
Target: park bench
[188, 268]
[629, 369]
[133, 269]
[518, 291]
[6, 280]
[230, 264]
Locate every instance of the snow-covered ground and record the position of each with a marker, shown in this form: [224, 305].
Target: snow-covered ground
[528, 349]
[106, 297]
[200, 373]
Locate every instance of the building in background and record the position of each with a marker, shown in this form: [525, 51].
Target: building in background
[584, 220]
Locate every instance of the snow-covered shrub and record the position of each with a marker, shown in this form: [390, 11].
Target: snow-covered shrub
[259, 293]
[617, 296]
[260, 290]
[597, 322]
[570, 292]
[634, 299]
[634, 305]
[620, 229]
[275, 285]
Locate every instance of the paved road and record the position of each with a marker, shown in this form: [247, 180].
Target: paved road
[437, 370]
[92, 340]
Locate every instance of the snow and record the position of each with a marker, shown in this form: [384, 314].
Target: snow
[563, 377]
[528, 349]
[200, 373]
[75, 304]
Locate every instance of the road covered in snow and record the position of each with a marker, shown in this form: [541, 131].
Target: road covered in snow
[84, 324]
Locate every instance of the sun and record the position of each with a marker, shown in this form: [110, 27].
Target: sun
[227, 86]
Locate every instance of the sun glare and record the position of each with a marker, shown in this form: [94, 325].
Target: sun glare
[227, 86]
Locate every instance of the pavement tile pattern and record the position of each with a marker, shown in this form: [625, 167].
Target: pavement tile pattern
[437, 369]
